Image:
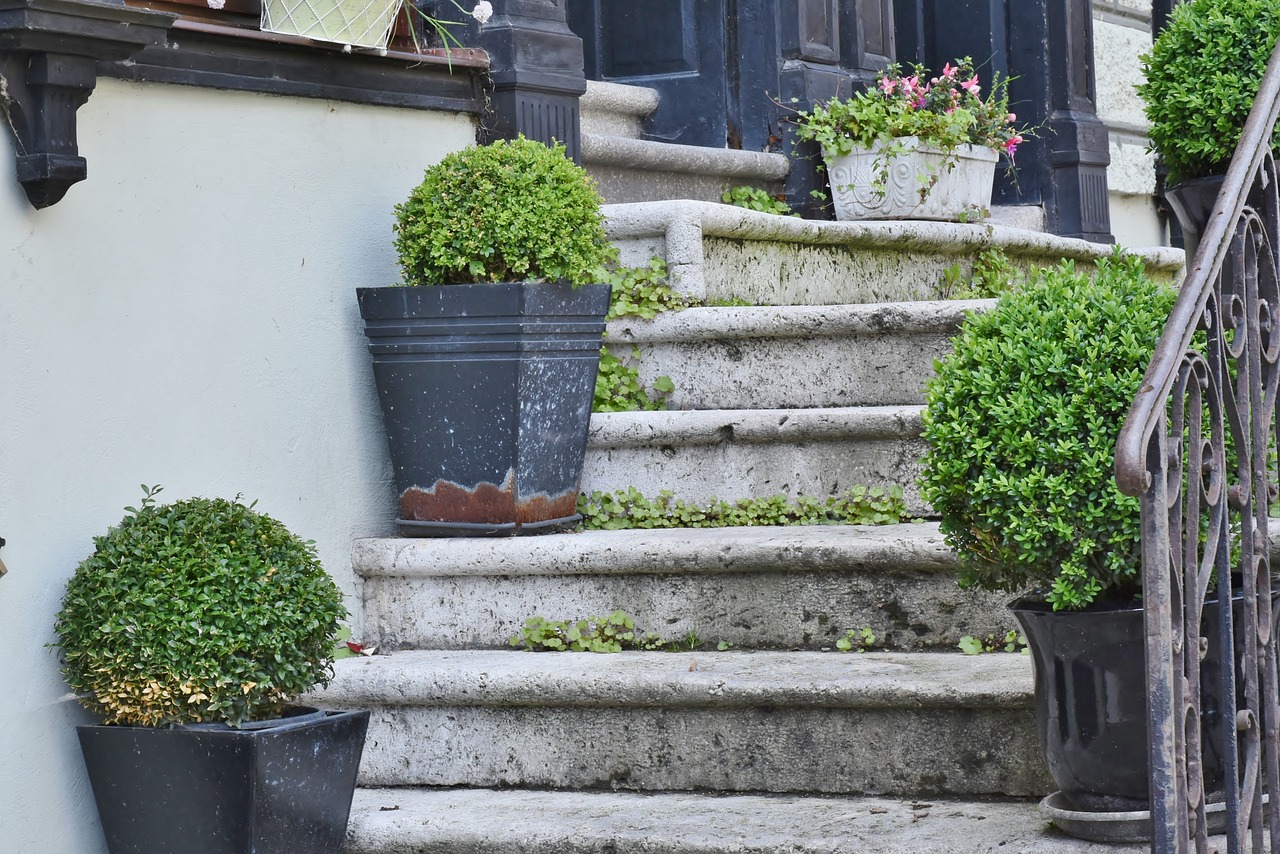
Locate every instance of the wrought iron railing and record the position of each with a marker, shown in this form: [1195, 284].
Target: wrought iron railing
[1198, 448]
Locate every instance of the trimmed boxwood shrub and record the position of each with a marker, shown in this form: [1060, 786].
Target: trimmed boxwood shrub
[198, 611]
[508, 211]
[1022, 421]
[1202, 76]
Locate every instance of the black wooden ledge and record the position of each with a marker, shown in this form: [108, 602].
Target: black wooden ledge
[227, 57]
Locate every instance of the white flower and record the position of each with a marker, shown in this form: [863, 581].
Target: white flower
[216, 4]
[482, 12]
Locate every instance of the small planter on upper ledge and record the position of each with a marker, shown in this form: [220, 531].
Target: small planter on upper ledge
[486, 383]
[915, 147]
[1200, 81]
[354, 23]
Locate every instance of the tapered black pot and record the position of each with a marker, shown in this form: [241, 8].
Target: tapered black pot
[486, 395]
[1091, 702]
[276, 787]
[1192, 203]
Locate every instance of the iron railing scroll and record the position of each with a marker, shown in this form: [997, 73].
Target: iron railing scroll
[1198, 449]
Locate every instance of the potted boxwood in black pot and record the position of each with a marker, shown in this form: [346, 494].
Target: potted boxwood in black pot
[1202, 76]
[189, 630]
[1021, 422]
[486, 359]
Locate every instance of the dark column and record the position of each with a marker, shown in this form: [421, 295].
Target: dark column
[536, 70]
[1076, 137]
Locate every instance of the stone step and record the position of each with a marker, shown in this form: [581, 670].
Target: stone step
[794, 587]
[910, 724]
[615, 109]
[487, 821]
[641, 170]
[701, 454]
[720, 252]
[770, 357]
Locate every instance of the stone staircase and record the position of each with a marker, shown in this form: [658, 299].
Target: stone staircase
[779, 743]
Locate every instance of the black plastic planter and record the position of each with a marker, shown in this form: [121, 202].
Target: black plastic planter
[275, 787]
[486, 395]
[1091, 702]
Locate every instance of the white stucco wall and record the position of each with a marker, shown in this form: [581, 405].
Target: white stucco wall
[186, 316]
[1121, 34]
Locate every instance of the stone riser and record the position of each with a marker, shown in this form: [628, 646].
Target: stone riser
[973, 752]
[917, 725]
[793, 356]
[703, 454]
[757, 610]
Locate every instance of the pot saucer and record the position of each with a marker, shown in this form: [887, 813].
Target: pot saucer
[1127, 826]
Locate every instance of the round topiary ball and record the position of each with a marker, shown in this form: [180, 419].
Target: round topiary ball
[1021, 421]
[198, 611]
[509, 211]
[1202, 76]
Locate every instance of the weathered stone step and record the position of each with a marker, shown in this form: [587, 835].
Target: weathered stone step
[770, 357]
[756, 588]
[702, 454]
[912, 724]
[720, 252]
[640, 170]
[486, 821]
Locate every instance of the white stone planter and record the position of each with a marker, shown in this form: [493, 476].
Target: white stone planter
[361, 23]
[961, 182]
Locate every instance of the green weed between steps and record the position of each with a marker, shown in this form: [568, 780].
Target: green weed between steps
[861, 505]
[1011, 641]
[637, 292]
[860, 640]
[618, 632]
[754, 199]
[991, 275]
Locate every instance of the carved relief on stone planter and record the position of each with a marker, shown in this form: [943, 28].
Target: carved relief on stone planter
[918, 183]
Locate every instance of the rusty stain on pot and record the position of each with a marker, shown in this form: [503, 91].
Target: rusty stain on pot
[485, 503]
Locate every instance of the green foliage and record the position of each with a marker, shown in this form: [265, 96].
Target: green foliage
[508, 211]
[198, 611]
[991, 275]
[1201, 77]
[642, 291]
[636, 292]
[630, 509]
[754, 199]
[945, 112]
[857, 639]
[618, 386]
[1011, 641]
[1021, 422]
[613, 633]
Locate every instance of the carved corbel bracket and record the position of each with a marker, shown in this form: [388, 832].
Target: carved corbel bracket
[49, 53]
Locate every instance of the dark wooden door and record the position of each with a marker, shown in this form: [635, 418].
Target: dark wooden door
[678, 47]
[719, 65]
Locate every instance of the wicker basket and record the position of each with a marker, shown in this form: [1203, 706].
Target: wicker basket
[360, 23]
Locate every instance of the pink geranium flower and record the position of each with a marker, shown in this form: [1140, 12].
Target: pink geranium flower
[887, 85]
[948, 70]
[971, 85]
